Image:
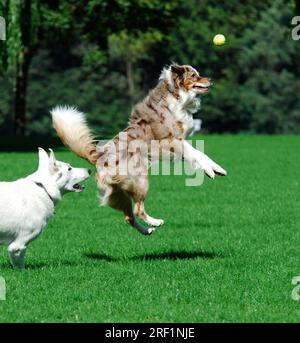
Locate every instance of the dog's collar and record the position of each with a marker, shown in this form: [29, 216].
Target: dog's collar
[39, 184]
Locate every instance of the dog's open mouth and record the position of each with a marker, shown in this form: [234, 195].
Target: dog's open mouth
[78, 188]
[201, 87]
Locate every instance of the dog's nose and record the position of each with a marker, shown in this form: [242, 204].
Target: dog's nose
[89, 171]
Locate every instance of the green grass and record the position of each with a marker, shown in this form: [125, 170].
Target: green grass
[227, 252]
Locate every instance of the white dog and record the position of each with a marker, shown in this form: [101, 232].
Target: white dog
[27, 204]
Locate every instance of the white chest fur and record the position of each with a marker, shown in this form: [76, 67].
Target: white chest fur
[184, 109]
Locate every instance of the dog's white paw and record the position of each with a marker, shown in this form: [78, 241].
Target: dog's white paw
[209, 172]
[149, 231]
[155, 222]
[206, 167]
[219, 170]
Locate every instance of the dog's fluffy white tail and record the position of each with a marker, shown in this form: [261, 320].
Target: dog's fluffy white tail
[72, 128]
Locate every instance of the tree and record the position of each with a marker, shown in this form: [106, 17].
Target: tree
[297, 4]
[130, 48]
[28, 21]
[127, 32]
[190, 42]
[270, 68]
[36, 23]
[17, 51]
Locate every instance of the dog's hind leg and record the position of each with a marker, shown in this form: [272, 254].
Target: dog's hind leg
[139, 211]
[121, 201]
[17, 253]
[139, 195]
[131, 220]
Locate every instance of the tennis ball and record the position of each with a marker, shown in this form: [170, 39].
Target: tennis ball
[219, 39]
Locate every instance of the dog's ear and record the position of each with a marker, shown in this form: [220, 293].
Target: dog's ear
[52, 162]
[43, 159]
[176, 69]
[52, 156]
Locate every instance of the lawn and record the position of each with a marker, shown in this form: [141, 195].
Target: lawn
[227, 253]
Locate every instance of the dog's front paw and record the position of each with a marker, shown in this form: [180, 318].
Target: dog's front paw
[209, 172]
[206, 167]
[219, 170]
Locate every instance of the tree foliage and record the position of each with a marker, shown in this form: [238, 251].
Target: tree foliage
[270, 67]
[105, 55]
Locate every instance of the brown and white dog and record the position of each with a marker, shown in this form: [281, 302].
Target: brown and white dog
[164, 116]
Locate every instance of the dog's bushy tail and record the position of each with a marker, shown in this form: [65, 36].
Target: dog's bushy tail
[72, 128]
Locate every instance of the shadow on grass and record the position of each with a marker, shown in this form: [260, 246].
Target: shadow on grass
[52, 264]
[100, 257]
[169, 255]
[179, 255]
[40, 265]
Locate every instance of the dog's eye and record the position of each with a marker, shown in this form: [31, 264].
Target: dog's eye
[70, 168]
[194, 75]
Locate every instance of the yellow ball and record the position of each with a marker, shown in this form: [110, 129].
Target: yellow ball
[219, 39]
